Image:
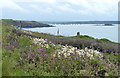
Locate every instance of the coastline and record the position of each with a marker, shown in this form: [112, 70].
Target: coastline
[102, 45]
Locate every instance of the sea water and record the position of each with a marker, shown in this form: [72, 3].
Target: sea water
[96, 31]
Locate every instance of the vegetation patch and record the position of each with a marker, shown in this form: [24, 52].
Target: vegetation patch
[36, 54]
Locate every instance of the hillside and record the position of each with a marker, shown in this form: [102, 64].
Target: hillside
[27, 53]
[25, 24]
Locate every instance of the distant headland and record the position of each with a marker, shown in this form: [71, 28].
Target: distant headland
[83, 22]
[26, 24]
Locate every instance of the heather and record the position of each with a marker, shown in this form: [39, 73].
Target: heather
[28, 53]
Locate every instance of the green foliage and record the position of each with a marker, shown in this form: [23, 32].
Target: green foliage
[94, 61]
[24, 41]
[82, 37]
[9, 63]
[0, 61]
[105, 40]
[49, 51]
[86, 37]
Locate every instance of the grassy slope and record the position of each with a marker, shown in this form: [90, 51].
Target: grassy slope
[91, 38]
[15, 47]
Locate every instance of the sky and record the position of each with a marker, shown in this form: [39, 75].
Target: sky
[60, 10]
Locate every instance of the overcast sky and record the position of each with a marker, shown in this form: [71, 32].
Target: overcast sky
[60, 10]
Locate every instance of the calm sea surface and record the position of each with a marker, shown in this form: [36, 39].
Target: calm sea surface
[109, 32]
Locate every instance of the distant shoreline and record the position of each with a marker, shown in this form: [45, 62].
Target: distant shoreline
[82, 22]
[36, 26]
[26, 24]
